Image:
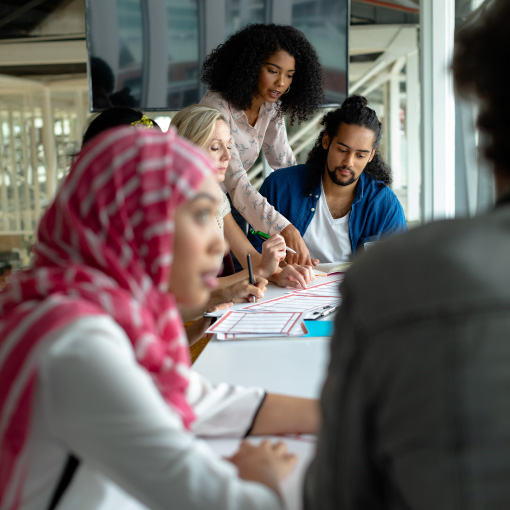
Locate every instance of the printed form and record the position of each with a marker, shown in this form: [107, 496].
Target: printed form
[282, 316]
[246, 324]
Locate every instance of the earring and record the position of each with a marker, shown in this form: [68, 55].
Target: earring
[287, 90]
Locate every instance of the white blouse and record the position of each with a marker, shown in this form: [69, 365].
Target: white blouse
[327, 238]
[94, 400]
[268, 134]
[223, 210]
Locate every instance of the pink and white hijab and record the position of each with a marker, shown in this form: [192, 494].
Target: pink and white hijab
[104, 247]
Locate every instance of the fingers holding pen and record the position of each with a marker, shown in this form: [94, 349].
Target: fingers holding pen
[244, 291]
[276, 245]
[259, 288]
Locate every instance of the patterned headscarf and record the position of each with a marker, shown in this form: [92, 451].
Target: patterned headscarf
[104, 248]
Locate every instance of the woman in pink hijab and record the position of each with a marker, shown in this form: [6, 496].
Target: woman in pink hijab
[95, 384]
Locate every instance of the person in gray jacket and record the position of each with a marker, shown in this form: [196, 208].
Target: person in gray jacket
[416, 405]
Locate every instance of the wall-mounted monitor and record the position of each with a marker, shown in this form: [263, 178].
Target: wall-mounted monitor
[148, 53]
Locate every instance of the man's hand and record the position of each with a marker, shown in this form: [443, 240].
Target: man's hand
[296, 277]
[294, 240]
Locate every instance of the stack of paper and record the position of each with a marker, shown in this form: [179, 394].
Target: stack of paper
[236, 325]
[279, 317]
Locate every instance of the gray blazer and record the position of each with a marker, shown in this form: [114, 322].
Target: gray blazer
[416, 404]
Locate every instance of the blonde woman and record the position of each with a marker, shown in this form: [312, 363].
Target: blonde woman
[207, 128]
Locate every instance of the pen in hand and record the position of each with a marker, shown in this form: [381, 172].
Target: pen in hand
[265, 237]
[250, 272]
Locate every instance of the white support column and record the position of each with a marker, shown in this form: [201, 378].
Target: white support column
[413, 138]
[394, 123]
[438, 109]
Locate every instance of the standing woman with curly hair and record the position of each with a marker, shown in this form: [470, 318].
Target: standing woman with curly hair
[256, 77]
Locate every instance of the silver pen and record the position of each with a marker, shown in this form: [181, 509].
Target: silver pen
[323, 311]
[329, 310]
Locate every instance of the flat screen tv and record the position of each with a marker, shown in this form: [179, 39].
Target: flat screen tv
[148, 53]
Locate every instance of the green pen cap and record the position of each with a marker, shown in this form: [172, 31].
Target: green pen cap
[260, 234]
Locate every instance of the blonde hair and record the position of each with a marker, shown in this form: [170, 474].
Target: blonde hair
[197, 123]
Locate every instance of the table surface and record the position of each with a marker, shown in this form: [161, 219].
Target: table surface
[294, 366]
[291, 366]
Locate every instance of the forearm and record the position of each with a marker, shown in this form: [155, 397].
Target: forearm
[281, 414]
[261, 269]
[218, 296]
[222, 409]
[226, 281]
[274, 277]
[253, 206]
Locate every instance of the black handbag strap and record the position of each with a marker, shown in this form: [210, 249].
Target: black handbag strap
[65, 479]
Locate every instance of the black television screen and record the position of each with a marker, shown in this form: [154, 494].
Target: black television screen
[148, 53]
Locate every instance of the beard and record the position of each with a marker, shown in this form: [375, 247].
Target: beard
[336, 180]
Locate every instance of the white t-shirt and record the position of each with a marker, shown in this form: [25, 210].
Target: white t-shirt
[94, 400]
[327, 238]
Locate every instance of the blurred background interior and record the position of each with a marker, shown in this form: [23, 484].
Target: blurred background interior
[147, 54]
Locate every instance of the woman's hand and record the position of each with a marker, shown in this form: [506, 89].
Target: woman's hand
[273, 252]
[294, 240]
[268, 463]
[293, 276]
[242, 291]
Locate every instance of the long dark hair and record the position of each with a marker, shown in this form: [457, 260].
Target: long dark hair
[233, 68]
[355, 112]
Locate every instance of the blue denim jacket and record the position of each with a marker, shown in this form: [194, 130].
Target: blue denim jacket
[294, 192]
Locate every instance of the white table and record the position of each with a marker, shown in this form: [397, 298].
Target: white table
[294, 366]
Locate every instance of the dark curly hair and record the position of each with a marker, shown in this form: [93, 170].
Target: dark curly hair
[481, 51]
[233, 68]
[354, 111]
